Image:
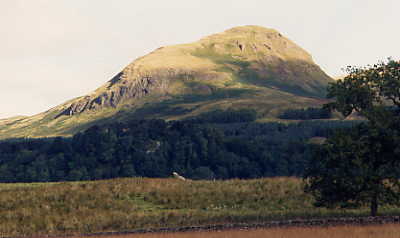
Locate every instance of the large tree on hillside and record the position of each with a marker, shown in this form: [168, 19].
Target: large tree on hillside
[361, 166]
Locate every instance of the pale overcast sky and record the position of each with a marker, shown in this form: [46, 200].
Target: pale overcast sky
[54, 50]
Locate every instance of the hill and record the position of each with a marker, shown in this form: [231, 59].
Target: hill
[243, 67]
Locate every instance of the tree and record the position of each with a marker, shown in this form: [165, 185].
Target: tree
[360, 166]
[355, 168]
[373, 92]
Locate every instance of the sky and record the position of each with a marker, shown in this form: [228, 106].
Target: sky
[55, 50]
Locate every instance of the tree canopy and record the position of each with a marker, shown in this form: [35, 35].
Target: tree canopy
[361, 166]
[373, 92]
[355, 168]
[195, 149]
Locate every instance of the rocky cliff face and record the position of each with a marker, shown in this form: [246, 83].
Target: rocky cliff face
[133, 84]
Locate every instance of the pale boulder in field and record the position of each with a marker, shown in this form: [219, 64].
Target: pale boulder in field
[177, 176]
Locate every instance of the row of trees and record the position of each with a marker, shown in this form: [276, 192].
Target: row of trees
[155, 148]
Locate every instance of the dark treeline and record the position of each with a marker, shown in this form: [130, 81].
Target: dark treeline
[306, 114]
[155, 148]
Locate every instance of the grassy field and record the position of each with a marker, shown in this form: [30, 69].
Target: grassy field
[127, 204]
[384, 231]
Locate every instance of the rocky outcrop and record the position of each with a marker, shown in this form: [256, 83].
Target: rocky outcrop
[131, 84]
[143, 85]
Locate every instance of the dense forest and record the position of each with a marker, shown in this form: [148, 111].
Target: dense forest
[213, 146]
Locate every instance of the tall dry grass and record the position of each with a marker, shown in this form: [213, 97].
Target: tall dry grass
[136, 203]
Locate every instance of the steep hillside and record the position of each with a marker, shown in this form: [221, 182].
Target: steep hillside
[244, 67]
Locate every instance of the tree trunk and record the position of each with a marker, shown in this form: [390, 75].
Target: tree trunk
[374, 205]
